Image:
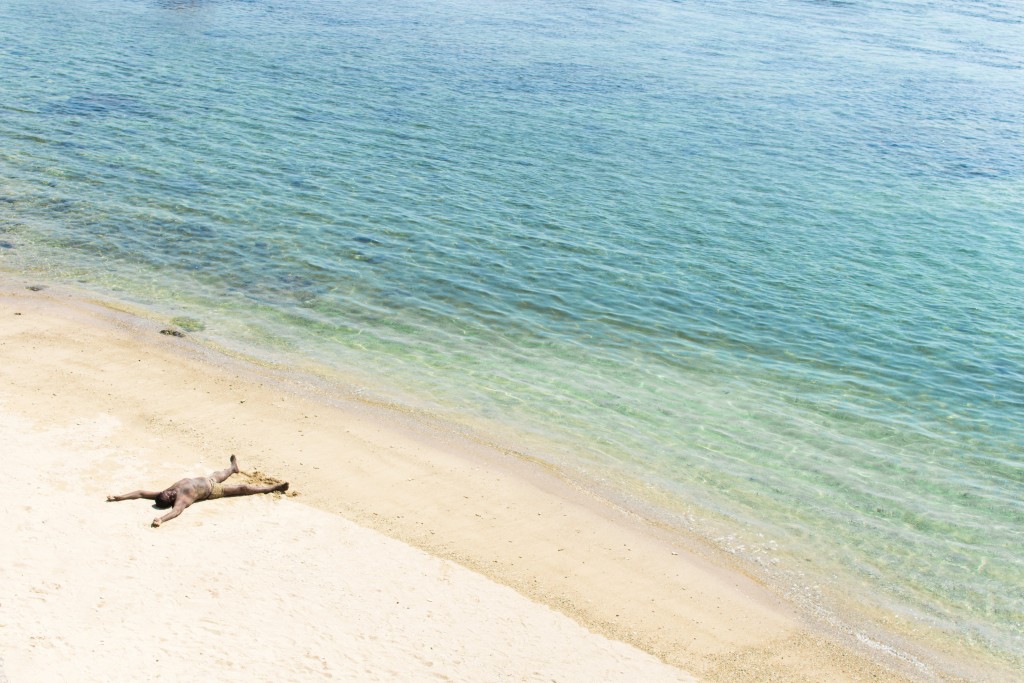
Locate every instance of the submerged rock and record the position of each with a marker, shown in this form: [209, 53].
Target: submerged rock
[188, 324]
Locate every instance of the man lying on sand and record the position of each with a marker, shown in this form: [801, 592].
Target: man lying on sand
[188, 491]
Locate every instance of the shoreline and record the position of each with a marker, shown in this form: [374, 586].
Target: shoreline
[513, 521]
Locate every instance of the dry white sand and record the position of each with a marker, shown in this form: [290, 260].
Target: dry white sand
[329, 583]
[248, 588]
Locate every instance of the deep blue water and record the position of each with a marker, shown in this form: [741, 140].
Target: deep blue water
[755, 267]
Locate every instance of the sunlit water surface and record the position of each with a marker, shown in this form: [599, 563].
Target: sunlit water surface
[753, 267]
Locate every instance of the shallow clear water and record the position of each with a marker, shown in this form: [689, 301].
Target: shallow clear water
[756, 265]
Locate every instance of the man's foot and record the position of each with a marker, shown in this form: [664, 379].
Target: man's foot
[111, 499]
[281, 487]
[234, 464]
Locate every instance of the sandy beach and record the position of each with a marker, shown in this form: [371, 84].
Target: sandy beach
[403, 552]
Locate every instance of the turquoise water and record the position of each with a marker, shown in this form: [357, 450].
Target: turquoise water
[754, 267]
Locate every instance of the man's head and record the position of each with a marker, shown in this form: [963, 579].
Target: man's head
[165, 499]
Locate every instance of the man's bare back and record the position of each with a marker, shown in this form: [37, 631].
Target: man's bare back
[181, 494]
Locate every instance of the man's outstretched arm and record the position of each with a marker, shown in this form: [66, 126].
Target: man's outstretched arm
[179, 506]
[151, 495]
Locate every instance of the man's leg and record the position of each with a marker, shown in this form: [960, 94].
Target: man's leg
[249, 489]
[224, 474]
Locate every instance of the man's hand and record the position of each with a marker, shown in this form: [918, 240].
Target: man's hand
[111, 499]
[156, 522]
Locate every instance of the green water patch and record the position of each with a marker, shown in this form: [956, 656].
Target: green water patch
[188, 324]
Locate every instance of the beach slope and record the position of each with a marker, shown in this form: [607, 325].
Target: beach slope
[406, 554]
